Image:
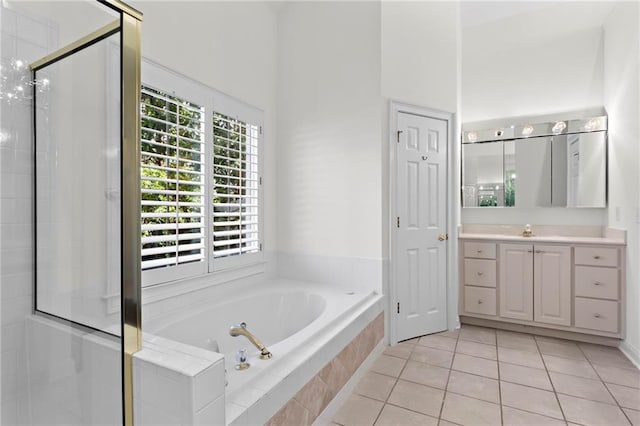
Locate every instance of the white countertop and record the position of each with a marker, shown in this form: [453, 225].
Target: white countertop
[544, 239]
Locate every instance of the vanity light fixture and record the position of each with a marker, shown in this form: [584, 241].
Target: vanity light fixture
[527, 130]
[472, 136]
[559, 127]
[497, 187]
[592, 124]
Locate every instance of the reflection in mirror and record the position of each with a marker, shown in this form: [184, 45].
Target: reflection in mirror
[587, 154]
[482, 167]
[533, 172]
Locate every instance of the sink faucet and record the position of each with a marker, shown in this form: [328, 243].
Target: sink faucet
[241, 330]
[527, 231]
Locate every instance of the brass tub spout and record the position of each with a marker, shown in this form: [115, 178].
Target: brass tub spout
[241, 330]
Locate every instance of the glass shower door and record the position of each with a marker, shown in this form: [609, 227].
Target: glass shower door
[72, 346]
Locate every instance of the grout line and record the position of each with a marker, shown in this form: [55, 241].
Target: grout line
[624, 413]
[551, 382]
[499, 380]
[446, 386]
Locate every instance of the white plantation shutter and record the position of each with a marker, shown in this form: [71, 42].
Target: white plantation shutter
[172, 181]
[236, 187]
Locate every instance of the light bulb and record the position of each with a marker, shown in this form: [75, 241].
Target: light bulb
[559, 127]
[592, 124]
[472, 136]
[527, 130]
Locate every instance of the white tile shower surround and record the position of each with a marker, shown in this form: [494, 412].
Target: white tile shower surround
[27, 39]
[480, 376]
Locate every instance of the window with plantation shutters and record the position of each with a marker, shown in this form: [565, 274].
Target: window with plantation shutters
[236, 182]
[172, 182]
[201, 186]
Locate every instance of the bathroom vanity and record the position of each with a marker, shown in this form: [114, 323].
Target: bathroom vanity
[569, 279]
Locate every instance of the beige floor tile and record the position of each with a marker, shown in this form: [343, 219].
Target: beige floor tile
[474, 386]
[478, 334]
[525, 376]
[394, 416]
[469, 411]
[481, 350]
[425, 374]
[358, 410]
[633, 415]
[452, 334]
[561, 348]
[432, 356]
[618, 376]
[627, 397]
[530, 399]
[446, 423]
[438, 342]
[574, 367]
[586, 412]
[521, 341]
[475, 365]
[376, 386]
[413, 341]
[514, 417]
[593, 390]
[401, 350]
[416, 397]
[520, 357]
[606, 355]
[389, 365]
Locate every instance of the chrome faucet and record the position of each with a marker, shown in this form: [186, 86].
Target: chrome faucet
[241, 330]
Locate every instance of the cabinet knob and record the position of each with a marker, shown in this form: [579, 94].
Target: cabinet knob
[479, 251]
[479, 302]
[597, 283]
[529, 251]
[480, 274]
[596, 257]
[539, 251]
[597, 315]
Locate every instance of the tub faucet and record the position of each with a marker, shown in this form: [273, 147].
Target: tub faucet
[241, 330]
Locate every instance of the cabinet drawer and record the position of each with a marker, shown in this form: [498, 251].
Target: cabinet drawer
[596, 256]
[480, 272]
[480, 300]
[480, 250]
[597, 314]
[601, 283]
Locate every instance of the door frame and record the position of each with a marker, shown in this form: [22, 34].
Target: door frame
[395, 108]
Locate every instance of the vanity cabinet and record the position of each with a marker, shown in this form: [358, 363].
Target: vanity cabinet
[516, 278]
[552, 284]
[571, 287]
[597, 289]
[536, 283]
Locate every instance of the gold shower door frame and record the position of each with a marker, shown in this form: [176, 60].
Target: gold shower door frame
[129, 26]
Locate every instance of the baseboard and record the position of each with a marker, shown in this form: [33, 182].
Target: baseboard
[630, 352]
[325, 418]
[541, 331]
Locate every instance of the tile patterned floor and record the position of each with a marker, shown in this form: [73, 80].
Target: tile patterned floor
[480, 376]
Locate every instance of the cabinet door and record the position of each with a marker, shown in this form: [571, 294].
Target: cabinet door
[552, 284]
[516, 281]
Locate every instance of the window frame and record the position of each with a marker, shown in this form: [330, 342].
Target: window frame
[160, 78]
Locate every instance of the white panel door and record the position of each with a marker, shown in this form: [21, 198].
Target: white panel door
[421, 223]
[516, 281]
[552, 284]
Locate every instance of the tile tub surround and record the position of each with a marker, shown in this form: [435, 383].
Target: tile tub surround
[559, 382]
[316, 394]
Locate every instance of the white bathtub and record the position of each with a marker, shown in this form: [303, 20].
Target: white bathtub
[302, 324]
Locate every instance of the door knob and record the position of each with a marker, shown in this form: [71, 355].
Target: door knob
[443, 237]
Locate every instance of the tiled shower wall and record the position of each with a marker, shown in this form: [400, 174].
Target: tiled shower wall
[24, 39]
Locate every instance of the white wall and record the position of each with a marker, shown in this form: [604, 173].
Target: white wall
[621, 99]
[231, 47]
[548, 59]
[419, 53]
[329, 127]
